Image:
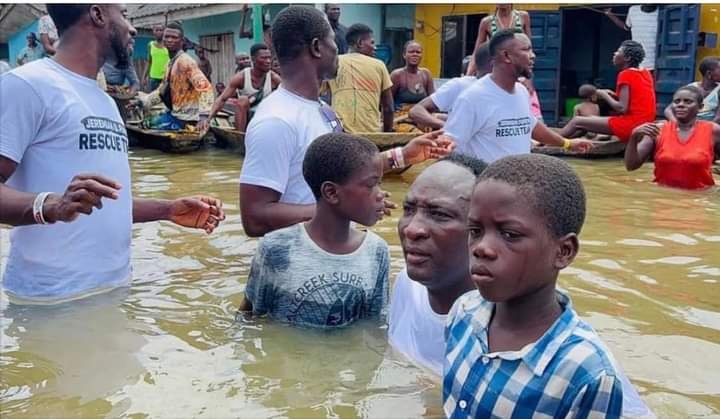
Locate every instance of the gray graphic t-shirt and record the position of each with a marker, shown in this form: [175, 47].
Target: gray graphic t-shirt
[295, 281]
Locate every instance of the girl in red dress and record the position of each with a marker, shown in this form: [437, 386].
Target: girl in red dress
[683, 150]
[633, 99]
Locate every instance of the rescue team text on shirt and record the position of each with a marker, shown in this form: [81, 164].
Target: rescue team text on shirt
[112, 135]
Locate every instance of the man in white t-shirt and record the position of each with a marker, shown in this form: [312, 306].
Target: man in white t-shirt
[63, 153]
[273, 192]
[433, 235]
[493, 118]
[642, 22]
[423, 113]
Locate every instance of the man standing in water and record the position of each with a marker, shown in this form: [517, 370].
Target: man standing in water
[273, 192]
[56, 137]
[185, 90]
[492, 118]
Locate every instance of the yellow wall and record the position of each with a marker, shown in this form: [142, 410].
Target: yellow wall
[709, 22]
[430, 17]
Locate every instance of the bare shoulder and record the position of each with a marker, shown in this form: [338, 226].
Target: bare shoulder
[237, 80]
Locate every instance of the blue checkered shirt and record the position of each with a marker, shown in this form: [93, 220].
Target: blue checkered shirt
[568, 372]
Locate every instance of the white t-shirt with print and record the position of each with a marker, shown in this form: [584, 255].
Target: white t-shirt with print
[489, 123]
[643, 27]
[446, 94]
[59, 124]
[283, 127]
[415, 329]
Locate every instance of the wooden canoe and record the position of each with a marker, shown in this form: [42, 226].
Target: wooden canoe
[167, 141]
[388, 140]
[229, 138]
[601, 149]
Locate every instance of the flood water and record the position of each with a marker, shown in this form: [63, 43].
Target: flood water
[647, 278]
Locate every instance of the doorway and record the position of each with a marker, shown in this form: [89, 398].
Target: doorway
[221, 53]
[589, 40]
[459, 33]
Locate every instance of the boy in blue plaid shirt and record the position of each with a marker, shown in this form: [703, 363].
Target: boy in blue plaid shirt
[517, 349]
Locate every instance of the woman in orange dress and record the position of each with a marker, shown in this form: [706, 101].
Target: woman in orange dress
[683, 150]
[633, 100]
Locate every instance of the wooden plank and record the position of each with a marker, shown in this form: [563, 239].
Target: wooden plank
[222, 61]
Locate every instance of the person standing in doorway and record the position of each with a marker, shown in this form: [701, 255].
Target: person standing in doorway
[505, 17]
[158, 58]
[204, 63]
[642, 22]
[332, 11]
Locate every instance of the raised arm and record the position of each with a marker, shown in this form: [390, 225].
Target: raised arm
[525, 17]
[236, 82]
[202, 212]
[641, 145]
[668, 113]
[614, 19]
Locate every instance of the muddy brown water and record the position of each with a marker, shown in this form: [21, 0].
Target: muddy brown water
[647, 278]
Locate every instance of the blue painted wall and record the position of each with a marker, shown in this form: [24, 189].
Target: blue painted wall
[141, 49]
[369, 14]
[18, 41]
[211, 25]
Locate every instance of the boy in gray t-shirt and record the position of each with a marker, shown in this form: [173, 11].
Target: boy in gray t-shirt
[324, 273]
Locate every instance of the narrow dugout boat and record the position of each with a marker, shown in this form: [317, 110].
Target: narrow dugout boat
[183, 141]
[603, 147]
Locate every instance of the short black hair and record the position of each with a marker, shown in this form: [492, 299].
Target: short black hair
[407, 44]
[473, 164]
[177, 26]
[294, 29]
[694, 90]
[551, 186]
[633, 51]
[65, 15]
[499, 39]
[587, 90]
[482, 56]
[257, 48]
[357, 32]
[708, 64]
[334, 157]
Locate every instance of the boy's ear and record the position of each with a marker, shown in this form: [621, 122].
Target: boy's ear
[568, 247]
[329, 192]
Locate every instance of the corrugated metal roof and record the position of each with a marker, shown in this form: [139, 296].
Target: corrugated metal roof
[159, 9]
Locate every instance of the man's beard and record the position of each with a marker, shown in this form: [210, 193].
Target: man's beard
[118, 50]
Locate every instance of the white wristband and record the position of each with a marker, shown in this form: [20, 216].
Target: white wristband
[38, 207]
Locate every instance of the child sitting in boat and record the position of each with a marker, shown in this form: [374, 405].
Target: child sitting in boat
[324, 273]
[589, 105]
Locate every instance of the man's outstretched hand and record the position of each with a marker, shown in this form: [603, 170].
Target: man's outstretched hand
[432, 145]
[202, 212]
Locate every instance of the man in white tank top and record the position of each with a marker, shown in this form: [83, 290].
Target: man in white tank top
[248, 87]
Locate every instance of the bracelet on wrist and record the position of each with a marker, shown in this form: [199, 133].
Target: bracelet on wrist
[37, 207]
[566, 144]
